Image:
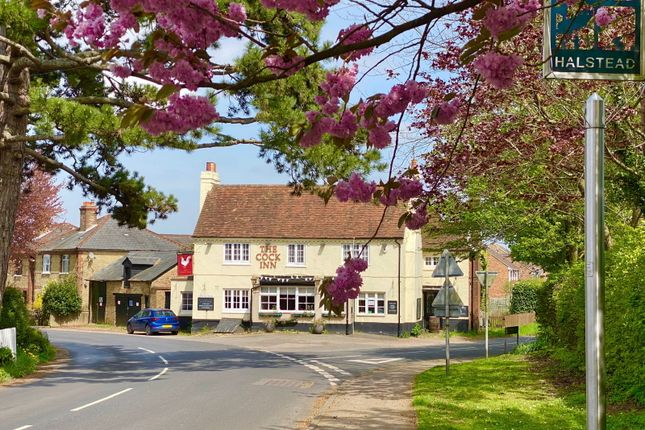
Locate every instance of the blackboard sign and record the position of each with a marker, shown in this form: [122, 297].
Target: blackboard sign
[511, 330]
[205, 304]
[392, 307]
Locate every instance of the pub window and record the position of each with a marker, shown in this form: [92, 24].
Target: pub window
[355, 250]
[287, 299]
[431, 261]
[371, 304]
[236, 300]
[236, 252]
[187, 301]
[296, 254]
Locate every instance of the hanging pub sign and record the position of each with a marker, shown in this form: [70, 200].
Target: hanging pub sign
[184, 264]
[594, 39]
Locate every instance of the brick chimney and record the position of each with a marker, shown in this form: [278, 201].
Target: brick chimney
[88, 216]
[207, 180]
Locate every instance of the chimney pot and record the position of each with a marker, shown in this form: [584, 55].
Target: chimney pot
[88, 216]
[211, 166]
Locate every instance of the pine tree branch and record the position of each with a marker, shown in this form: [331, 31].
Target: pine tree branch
[227, 143]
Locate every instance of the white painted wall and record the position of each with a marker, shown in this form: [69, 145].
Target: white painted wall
[8, 339]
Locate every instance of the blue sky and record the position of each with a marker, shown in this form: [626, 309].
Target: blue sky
[177, 172]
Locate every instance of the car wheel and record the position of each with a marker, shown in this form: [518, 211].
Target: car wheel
[129, 329]
[174, 332]
[148, 330]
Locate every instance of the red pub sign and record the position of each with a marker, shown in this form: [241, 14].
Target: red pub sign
[185, 264]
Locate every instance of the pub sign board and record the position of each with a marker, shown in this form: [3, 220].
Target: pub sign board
[392, 307]
[205, 303]
[576, 47]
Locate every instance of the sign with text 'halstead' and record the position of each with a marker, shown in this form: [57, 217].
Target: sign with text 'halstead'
[576, 47]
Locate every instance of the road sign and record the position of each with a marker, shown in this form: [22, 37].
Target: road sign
[486, 278]
[455, 304]
[576, 47]
[453, 267]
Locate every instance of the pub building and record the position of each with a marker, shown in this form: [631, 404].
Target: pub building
[260, 254]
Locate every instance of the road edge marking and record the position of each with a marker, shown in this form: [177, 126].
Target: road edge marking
[165, 369]
[100, 400]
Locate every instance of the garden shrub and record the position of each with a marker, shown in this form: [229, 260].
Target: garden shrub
[524, 296]
[14, 313]
[41, 317]
[561, 314]
[61, 298]
[6, 356]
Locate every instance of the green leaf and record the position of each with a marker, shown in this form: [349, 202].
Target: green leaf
[165, 91]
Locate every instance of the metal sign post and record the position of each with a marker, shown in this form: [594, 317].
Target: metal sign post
[486, 280]
[447, 267]
[594, 261]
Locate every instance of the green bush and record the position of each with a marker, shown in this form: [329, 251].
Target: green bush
[61, 298]
[14, 313]
[416, 330]
[6, 356]
[561, 315]
[524, 296]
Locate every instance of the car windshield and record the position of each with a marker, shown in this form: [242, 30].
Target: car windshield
[165, 313]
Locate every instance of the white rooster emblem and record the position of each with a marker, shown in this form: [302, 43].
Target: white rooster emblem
[184, 261]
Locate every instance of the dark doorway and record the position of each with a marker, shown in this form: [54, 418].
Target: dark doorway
[428, 298]
[126, 306]
[98, 300]
[166, 300]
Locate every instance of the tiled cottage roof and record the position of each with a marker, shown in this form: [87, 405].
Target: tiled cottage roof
[108, 235]
[272, 211]
[159, 262]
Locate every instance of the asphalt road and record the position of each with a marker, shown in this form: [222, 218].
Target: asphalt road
[118, 381]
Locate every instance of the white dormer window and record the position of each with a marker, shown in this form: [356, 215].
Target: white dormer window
[47, 263]
[513, 275]
[236, 253]
[296, 254]
[353, 250]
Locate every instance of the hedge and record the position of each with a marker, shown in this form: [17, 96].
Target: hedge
[61, 298]
[524, 296]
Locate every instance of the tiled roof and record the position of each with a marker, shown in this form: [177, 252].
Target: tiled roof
[272, 211]
[160, 263]
[108, 235]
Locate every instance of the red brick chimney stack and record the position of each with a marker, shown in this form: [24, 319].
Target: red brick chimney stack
[89, 212]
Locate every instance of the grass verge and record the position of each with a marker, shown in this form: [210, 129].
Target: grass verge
[25, 364]
[505, 392]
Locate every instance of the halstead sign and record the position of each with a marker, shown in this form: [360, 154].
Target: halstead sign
[576, 47]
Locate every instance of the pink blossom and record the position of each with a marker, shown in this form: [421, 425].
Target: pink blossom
[604, 17]
[313, 136]
[418, 219]
[410, 188]
[497, 69]
[347, 283]
[379, 135]
[390, 197]
[237, 12]
[447, 111]
[356, 189]
[516, 14]
[397, 100]
[313, 9]
[345, 128]
[184, 113]
[41, 13]
[340, 82]
[120, 71]
[282, 66]
[353, 34]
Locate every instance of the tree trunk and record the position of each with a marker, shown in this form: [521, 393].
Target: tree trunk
[14, 82]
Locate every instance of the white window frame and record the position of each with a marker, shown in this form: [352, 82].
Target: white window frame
[432, 259]
[235, 300]
[277, 291]
[513, 275]
[186, 306]
[375, 298]
[296, 254]
[237, 253]
[355, 249]
[47, 263]
[64, 263]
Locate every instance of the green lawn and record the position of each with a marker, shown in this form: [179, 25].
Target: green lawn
[502, 393]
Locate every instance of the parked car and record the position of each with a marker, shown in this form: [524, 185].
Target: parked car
[154, 321]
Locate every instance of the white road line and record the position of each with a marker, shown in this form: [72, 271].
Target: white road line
[332, 367]
[23, 427]
[165, 369]
[100, 400]
[163, 359]
[147, 350]
[330, 378]
[376, 360]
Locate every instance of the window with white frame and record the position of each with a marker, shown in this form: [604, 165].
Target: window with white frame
[236, 253]
[296, 254]
[432, 260]
[187, 301]
[236, 300]
[355, 250]
[64, 263]
[287, 299]
[371, 304]
[47, 263]
[513, 275]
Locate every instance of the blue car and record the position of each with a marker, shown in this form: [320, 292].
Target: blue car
[154, 321]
